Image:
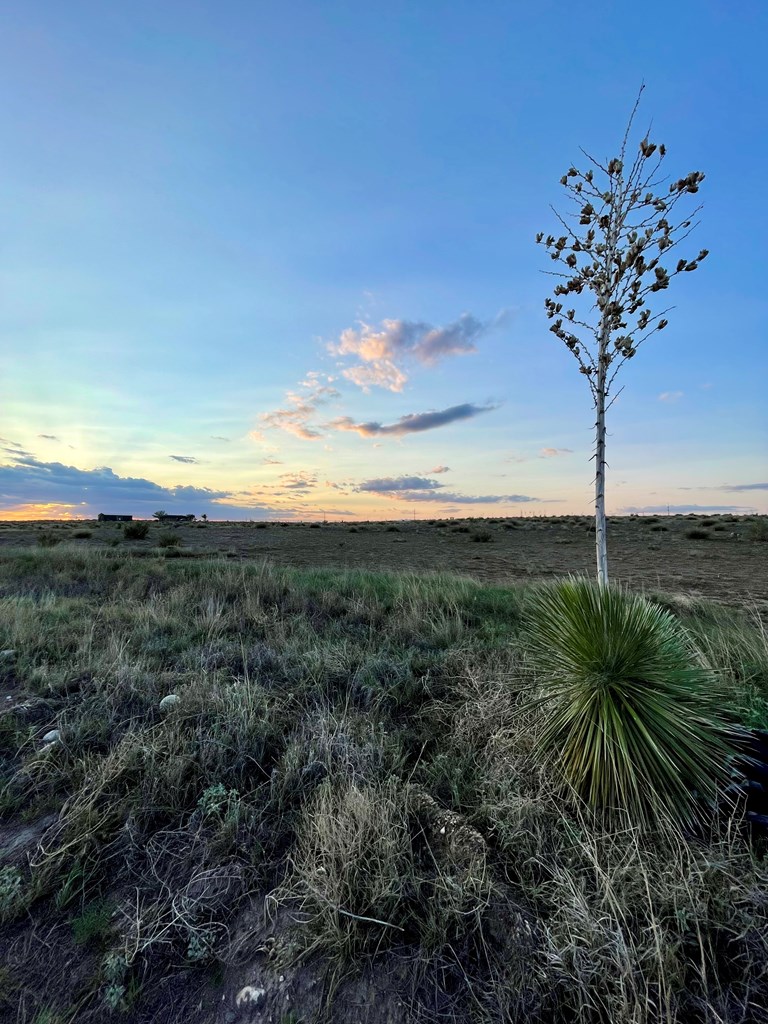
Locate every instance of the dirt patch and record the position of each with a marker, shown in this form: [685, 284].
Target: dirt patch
[645, 552]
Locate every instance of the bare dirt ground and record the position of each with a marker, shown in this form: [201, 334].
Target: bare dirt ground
[652, 553]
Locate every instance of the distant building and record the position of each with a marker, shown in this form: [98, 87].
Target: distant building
[104, 518]
[177, 519]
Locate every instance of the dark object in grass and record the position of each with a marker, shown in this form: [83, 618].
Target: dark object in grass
[751, 785]
[659, 529]
[482, 537]
[314, 526]
[82, 534]
[697, 534]
[393, 529]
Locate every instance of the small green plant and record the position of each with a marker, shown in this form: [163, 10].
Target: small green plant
[136, 531]
[114, 970]
[482, 537]
[217, 801]
[759, 530]
[200, 946]
[632, 719]
[697, 534]
[93, 924]
[169, 539]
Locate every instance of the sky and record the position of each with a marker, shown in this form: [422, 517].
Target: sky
[277, 259]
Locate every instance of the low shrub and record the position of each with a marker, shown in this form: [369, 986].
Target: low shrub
[759, 530]
[48, 540]
[393, 529]
[697, 534]
[482, 537]
[82, 534]
[136, 531]
[169, 539]
[659, 529]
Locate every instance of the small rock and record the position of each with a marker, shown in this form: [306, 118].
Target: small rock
[54, 736]
[168, 701]
[249, 994]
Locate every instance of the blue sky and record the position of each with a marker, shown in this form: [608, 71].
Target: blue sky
[277, 259]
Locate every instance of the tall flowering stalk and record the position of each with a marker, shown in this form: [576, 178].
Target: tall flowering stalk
[617, 250]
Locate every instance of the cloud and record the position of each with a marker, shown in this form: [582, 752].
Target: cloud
[190, 459]
[49, 437]
[302, 482]
[553, 453]
[300, 407]
[28, 483]
[217, 437]
[670, 396]
[681, 509]
[269, 461]
[743, 487]
[384, 348]
[440, 469]
[462, 499]
[389, 484]
[413, 423]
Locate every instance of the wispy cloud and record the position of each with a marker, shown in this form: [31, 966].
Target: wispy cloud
[386, 350]
[300, 407]
[389, 484]
[49, 437]
[217, 437]
[269, 461]
[413, 423]
[451, 497]
[190, 459]
[554, 453]
[670, 396]
[744, 487]
[302, 482]
[440, 469]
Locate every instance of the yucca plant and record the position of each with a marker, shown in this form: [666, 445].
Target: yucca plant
[632, 713]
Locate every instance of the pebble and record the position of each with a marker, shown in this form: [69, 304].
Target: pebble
[169, 700]
[54, 736]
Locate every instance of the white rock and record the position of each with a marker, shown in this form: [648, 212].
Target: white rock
[249, 994]
[169, 700]
[7, 655]
[54, 736]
